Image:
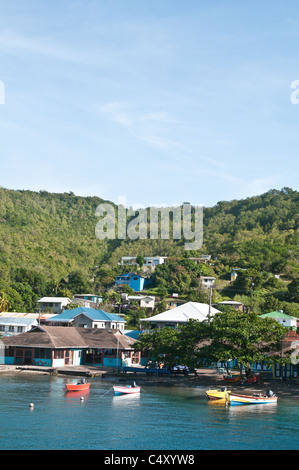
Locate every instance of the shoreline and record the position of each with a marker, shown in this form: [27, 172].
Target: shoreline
[206, 378]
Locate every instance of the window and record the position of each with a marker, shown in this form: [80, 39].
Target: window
[110, 352]
[11, 328]
[42, 353]
[9, 352]
[2, 328]
[20, 329]
[59, 354]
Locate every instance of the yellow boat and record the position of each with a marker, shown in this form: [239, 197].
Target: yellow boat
[218, 394]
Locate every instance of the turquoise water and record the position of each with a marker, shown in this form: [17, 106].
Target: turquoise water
[160, 418]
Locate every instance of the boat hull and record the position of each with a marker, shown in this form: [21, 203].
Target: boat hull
[232, 378]
[217, 394]
[77, 387]
[235, 399]
[128, 390]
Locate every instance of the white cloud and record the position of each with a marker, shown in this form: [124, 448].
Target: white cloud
[144, 126]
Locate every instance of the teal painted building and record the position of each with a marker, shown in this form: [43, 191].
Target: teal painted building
[59, 346]
[133, 280]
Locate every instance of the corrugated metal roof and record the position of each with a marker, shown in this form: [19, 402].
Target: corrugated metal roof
[183, 313]
[17, 321]
[92, 313]
[62, 337]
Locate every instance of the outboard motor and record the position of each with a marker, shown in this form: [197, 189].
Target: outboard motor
[269, 393]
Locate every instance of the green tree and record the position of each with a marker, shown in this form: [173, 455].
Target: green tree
[160, 345]
[244, 337]
[140, 260]
[293, 290]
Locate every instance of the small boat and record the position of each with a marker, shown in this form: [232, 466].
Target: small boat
[232, 378]
[250, 380]
[217, 394]
[235, 399]
[78, 387]
[126, 390]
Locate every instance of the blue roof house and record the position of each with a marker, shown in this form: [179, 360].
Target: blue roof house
[87, 318]
[133, 280]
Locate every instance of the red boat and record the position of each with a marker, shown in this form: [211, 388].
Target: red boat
[78, 387]
[232, 378]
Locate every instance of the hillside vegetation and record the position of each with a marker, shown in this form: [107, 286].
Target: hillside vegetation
[48, 246]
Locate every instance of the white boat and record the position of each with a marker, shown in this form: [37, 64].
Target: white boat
[255, 399]
[126, 390]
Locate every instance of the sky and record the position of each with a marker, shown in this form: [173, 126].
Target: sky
[157, 102]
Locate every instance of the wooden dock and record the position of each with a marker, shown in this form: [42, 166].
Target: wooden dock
[82, 371]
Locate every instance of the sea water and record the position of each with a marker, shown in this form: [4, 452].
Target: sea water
[172, 418]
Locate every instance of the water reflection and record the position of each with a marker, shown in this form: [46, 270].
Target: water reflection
[121, 401]
[256, 409]
[78, 395]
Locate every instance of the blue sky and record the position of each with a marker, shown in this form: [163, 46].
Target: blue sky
[159, 101]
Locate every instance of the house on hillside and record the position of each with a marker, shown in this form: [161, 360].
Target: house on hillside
[133, 280]
[142, 301]
[86, 317]
[54, 346]
[282, 318]
[174, 301]
[148, 260]
[89, 299]
[234, 273]
[232, 303]
[202, 259]
[53, 304]
[179, 316]
[207, 281]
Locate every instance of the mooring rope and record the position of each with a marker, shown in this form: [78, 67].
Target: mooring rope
[106, 392]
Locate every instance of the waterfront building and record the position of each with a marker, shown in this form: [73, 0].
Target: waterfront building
[54, 346]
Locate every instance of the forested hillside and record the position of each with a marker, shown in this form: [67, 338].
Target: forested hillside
[48, 246]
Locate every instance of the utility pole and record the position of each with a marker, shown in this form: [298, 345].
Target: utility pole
[251, 287]
[210, 304]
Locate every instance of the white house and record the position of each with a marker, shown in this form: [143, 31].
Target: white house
[10, 326]
[282, 318]
[144, 301]
[208, 281]
[179, 316]
[148, 260]
[56, 304]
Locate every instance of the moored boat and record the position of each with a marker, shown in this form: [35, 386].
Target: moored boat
[217, 394]
[255, 399]
[126, 390]
[77, 387]
[232, 378]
